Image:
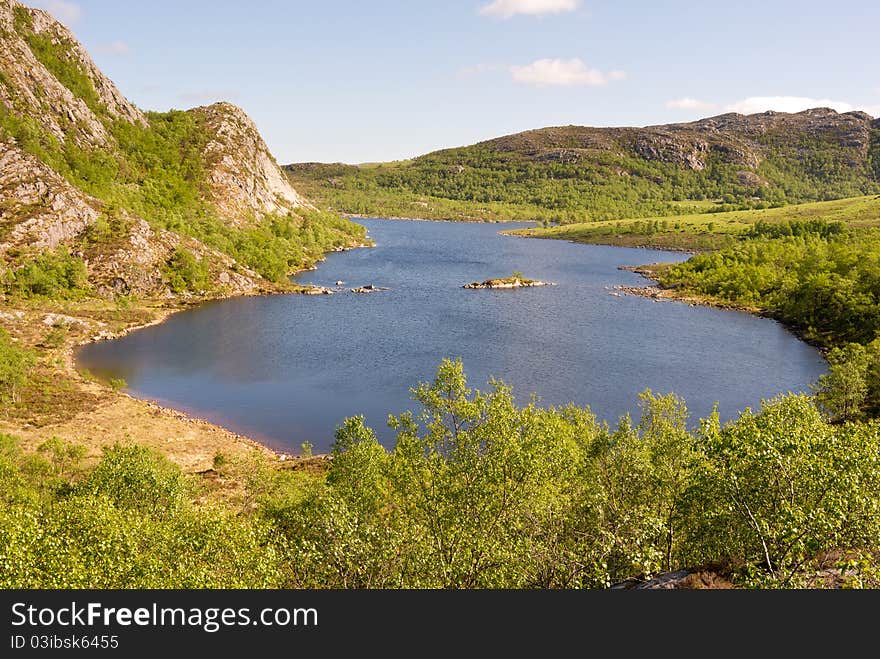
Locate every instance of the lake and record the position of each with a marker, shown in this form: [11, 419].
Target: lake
[288, 369]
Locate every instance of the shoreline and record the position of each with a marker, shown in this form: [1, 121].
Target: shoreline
[160, 310]
[656, 292]
[354, 216]
[522, 233]
[98, 415]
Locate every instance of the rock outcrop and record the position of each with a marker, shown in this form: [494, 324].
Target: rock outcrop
[38, 208]
[744, 140]
[510, 282]
[29, 89]
[245, 179]
[369, 288]
[51, 92]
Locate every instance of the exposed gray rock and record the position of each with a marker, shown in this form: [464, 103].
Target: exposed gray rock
[40, 208]
[245, 179]
[33, 91]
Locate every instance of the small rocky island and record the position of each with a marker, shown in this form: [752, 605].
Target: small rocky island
[516, 280]
[369, 288]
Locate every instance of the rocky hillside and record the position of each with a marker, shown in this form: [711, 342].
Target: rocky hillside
[244, 177]
[141, 202]
[576, 173]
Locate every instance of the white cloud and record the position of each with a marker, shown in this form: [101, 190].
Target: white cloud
[66, 12]
[562, 72]
[509, 8]
[113, 48]
[755, 104]
[688, 103]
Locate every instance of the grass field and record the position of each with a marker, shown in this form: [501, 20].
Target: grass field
[706, 231]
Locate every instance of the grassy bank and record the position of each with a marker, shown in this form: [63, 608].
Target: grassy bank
[709, 231]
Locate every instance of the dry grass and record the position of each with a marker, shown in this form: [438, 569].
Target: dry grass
[61, 402]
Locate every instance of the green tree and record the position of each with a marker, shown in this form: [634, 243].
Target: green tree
[780, 486]
[15, 366]
[842, 391]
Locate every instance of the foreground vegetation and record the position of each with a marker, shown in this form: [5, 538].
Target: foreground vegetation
[477, 492]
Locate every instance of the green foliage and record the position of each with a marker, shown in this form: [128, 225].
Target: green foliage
[184, 272]
[58, 59]
[826, 287]
[710, 231]
[158, 172]
[65, 457]
[843, 391]
[480, 493]
[476, 493]
[874, 153]
[51, 274]
[135, 478]
[527, 177]
[851, 388]
[138, 533]
[109, 228]
[781, 486]
[15, 366]
[798, 228]
[118, 384]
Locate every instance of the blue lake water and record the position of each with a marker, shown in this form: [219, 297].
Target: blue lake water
[288, 369]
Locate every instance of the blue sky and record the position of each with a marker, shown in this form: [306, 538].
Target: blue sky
[369, 80]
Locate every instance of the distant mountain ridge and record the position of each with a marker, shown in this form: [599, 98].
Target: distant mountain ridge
[126, 191]
[769, 158]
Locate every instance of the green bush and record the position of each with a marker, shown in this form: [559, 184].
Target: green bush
[118, 384]
[15, 366]
[133, 477]
[820, 280]
[185, 272]
[780, 486]
[476, 493]
[54, 274]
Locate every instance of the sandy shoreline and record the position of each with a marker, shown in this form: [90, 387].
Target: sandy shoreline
[162, 310]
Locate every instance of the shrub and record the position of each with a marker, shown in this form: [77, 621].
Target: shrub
[137, 478]
[118, 384]
[15, 366]
[185, 272]
[55, 274]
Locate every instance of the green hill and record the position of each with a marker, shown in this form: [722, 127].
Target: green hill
[579, 174]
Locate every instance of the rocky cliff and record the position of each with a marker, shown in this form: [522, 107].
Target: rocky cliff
[245, 179]
[75, 154]
[30, 89]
